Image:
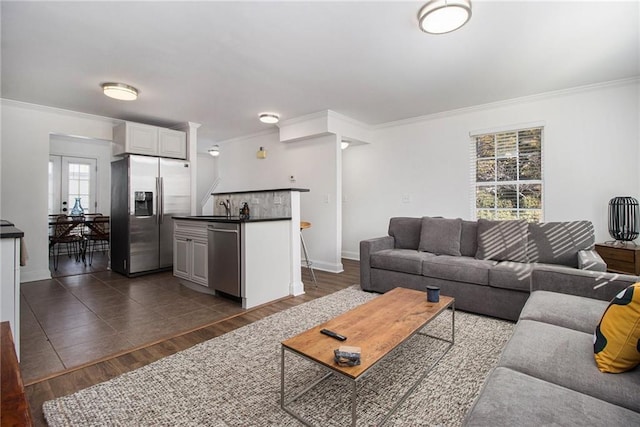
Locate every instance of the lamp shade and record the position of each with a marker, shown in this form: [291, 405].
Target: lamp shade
[120, 91]
[624, 221]
[444, 16]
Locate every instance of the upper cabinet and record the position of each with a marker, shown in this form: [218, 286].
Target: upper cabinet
[137, 138]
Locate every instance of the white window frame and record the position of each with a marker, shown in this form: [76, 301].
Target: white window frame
[473, 157]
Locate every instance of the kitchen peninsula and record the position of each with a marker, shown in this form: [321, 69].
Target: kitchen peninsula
[255, 259]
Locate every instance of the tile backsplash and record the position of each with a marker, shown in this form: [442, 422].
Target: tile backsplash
[261, 204]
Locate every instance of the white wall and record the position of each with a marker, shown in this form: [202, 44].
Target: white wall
[206, 174]
[100, 150]
[591, 149]
[26, 131]
[314, 164]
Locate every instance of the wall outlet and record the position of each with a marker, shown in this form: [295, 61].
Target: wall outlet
[406, 198]
[327, 198]
[277, 200]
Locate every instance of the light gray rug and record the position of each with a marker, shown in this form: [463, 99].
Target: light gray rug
[234, 379]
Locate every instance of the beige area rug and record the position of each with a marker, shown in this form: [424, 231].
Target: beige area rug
[234, 379]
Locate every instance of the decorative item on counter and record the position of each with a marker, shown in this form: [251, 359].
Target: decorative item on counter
[346, 355]
[244, 211]
[77, 209]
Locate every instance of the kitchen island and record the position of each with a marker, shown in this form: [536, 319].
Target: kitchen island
[248, 259]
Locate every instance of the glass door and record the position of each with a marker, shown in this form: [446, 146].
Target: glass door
[71, 178]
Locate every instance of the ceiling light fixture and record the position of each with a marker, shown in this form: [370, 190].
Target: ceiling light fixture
[344, 144]
[214, 151]
[270, 118]
[120, 91]
[444, 16]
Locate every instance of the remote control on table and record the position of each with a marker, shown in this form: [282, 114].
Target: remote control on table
[333, 334]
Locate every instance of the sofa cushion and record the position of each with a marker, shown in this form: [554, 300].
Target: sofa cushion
[404, 260]
[440, 236]
[511, 275]
[406, 232]
[569, 311]
[469, 238]
[617, 336]
[502, 240]
[459, 269]
[559, 242]
[565, 357]
[508, 396]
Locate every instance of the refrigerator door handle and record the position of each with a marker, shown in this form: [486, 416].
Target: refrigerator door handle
[161, 210]
[158, 200]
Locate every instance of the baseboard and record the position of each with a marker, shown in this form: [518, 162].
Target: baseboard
[325, 266]
[355, 256]
[33, 276]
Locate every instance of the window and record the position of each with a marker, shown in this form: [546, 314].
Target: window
[507, 175]
[70, 178]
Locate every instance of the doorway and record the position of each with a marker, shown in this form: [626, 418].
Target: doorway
[72, 179]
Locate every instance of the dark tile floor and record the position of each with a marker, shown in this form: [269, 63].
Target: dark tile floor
[75, 319]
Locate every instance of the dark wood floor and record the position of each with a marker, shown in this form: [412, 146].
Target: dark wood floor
[76, 380]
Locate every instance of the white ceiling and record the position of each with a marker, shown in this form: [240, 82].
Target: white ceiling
[221, 63]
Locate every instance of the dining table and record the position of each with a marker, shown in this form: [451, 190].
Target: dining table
[81, 225]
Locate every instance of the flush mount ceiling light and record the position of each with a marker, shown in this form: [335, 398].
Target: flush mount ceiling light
[270, 118]
[120, 91]
[444, 16]
[344, 144]
[214, 151]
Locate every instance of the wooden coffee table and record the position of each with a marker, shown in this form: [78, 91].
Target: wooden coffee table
[377, 327]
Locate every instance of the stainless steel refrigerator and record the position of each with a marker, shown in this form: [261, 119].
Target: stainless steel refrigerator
[146, 192]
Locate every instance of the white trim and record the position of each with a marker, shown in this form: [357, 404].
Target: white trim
[248, 136]
[37, 107]
[507, 128]
[351, 255]
[508, 102]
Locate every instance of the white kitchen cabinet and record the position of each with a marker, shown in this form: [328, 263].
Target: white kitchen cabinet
[138, 138]
[10, 281]
[190, 249]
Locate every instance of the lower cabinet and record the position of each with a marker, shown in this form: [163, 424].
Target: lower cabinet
[190, 249]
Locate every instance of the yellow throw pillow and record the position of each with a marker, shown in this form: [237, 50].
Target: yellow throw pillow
[616, 342]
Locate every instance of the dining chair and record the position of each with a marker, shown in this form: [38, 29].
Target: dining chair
[65, 231]
[98, 234]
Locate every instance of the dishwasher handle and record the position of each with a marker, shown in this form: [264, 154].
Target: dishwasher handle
[222, 230]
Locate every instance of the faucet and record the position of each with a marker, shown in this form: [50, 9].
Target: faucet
[227, 206]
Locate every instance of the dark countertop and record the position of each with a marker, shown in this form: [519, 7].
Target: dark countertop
[9, 231]
[232, 219]
[302, 190]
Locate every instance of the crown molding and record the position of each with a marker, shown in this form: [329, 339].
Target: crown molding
[248, 136]
[508, 102]
[43, 108]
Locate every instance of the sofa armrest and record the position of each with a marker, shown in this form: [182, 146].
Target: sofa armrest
[367, 247]
[591, 260]
[591, 284]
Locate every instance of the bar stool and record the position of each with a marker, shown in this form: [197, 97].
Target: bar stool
[303, 225]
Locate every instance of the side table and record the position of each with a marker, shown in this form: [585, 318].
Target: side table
[620, 257]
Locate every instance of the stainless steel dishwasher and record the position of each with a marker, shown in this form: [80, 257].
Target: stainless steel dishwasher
[224, 257]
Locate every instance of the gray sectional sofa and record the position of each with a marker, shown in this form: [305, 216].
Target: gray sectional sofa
[486, 265]
[546, 374]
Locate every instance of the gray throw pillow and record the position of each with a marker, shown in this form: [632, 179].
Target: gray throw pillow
[502, 240]
[440, 236]
[405, 231]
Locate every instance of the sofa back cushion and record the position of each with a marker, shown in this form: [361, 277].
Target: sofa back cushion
[406, 232]
[469, 238]
[502, 240]
[440, 236]
[559, 242]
